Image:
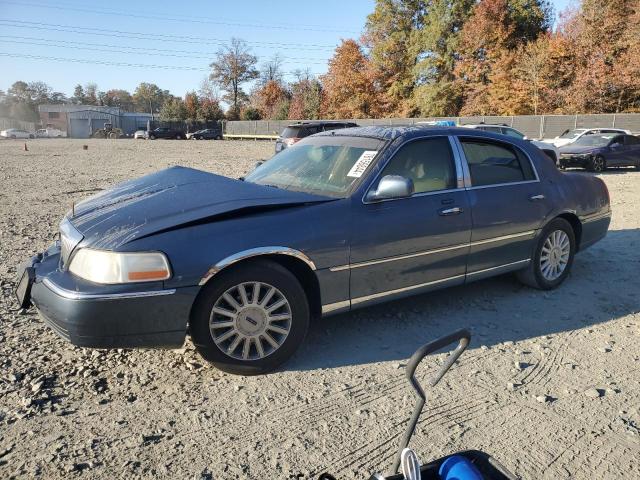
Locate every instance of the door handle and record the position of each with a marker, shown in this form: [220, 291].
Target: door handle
[451, 211]
[534, 198]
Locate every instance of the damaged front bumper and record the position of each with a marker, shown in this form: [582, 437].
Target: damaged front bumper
[103, 316]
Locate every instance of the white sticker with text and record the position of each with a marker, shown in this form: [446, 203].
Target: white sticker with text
[363, 162]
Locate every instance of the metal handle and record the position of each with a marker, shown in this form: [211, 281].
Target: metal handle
[462, 337]
[533, 198]
[451, 211]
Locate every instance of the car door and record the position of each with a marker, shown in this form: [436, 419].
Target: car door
[618, 151]
[633, 144]
[508, 204]
[403, 245]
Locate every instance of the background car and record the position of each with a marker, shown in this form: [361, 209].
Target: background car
[50, 133]
[167, 133]
[570, 136]
[16, 133]
[598, 152]
[141, 134]
[297, 131]
[206, 134]
[550, 149]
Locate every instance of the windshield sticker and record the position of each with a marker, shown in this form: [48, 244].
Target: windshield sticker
[363, 162]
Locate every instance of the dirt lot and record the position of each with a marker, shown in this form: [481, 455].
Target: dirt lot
[550, 386]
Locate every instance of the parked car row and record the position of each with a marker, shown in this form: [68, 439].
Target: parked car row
[177, 134]
[595, 149]
[17, 133]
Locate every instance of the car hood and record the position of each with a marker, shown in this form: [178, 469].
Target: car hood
[170, 199]
[577, 149]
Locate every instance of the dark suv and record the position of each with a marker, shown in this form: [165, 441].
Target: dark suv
[297, 131]
[166, 132]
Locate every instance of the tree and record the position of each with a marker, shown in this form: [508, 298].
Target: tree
[148, 97]
[388, 34]
[250, 113]
[348, 88]
[306, 97]
[22, 99]
[272, 98]
[435, 45]
[210, 111]
[234, 66]
[271, 71]
[191, 105]
[78, 95]
[119, 98]
[488, 44]
[91, 94]
[174, 109]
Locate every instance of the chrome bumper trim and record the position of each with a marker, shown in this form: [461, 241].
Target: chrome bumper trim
[373, 296]
[73, 295]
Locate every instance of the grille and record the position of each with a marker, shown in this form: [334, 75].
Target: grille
[69, 240]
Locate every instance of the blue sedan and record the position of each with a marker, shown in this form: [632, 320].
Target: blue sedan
[342, 220]
[598, 152]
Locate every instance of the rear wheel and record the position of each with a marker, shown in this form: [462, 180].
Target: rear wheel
[552, 258]
[251, 319]
[152, 137]
[597, 164]
[178, 137]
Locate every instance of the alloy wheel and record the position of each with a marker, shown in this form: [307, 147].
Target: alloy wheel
[598, 164]
[250, 321]
[555, 255]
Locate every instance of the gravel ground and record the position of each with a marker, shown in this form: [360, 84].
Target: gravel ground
[550, 385]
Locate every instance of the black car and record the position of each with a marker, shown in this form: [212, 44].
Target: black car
[166, 132]
[206, 134]
[597, 152]
[297, 131]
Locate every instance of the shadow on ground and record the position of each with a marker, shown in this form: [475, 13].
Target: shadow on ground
[604, 285]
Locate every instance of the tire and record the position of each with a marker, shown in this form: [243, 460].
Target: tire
[597, 164]
[13, 137]
[218, 137]
[152, 137]
[178, 137]
[535, 275]
[242, 326]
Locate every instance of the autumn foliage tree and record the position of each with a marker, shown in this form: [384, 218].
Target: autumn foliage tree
[349, 90]
[273, 100]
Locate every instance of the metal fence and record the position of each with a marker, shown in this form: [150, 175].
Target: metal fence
[6, 123]
[534, 126]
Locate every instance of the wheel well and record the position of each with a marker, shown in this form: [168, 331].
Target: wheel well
[299, 269]
[576, 225]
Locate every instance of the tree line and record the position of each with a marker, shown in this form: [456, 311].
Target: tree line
[415, 58]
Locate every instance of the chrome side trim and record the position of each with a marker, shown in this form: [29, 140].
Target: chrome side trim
[529, 233]
[593, 218]
[373, 296]
[73, 295]
[340, 268]
[401, 257]
[255, 252]
[512, 264]
[332, 307]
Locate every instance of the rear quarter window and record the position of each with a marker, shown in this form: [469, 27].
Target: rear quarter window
[291, 132]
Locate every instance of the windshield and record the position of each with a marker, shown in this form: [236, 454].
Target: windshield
[571, 134]
[594, 140]
[327, 165]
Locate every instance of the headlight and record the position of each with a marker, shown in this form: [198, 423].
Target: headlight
[100, 266]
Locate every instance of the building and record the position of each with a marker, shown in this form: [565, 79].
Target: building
[81, 121]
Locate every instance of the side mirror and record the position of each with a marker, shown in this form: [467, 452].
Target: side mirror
[392, 186]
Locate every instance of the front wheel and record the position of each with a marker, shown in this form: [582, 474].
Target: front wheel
[152, 137]
[251, 319]
[552, 258]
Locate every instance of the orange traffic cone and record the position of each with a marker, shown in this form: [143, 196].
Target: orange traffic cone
[25, 147]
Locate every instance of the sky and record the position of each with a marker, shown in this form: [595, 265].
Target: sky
[118, 44]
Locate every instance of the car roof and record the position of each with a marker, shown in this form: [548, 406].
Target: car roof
[320, 122]
[409, 131]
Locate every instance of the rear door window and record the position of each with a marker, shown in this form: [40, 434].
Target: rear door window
[510, 132]
[494, 163]
[291, 132]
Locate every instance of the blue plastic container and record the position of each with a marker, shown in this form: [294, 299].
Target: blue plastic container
[458, 467]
